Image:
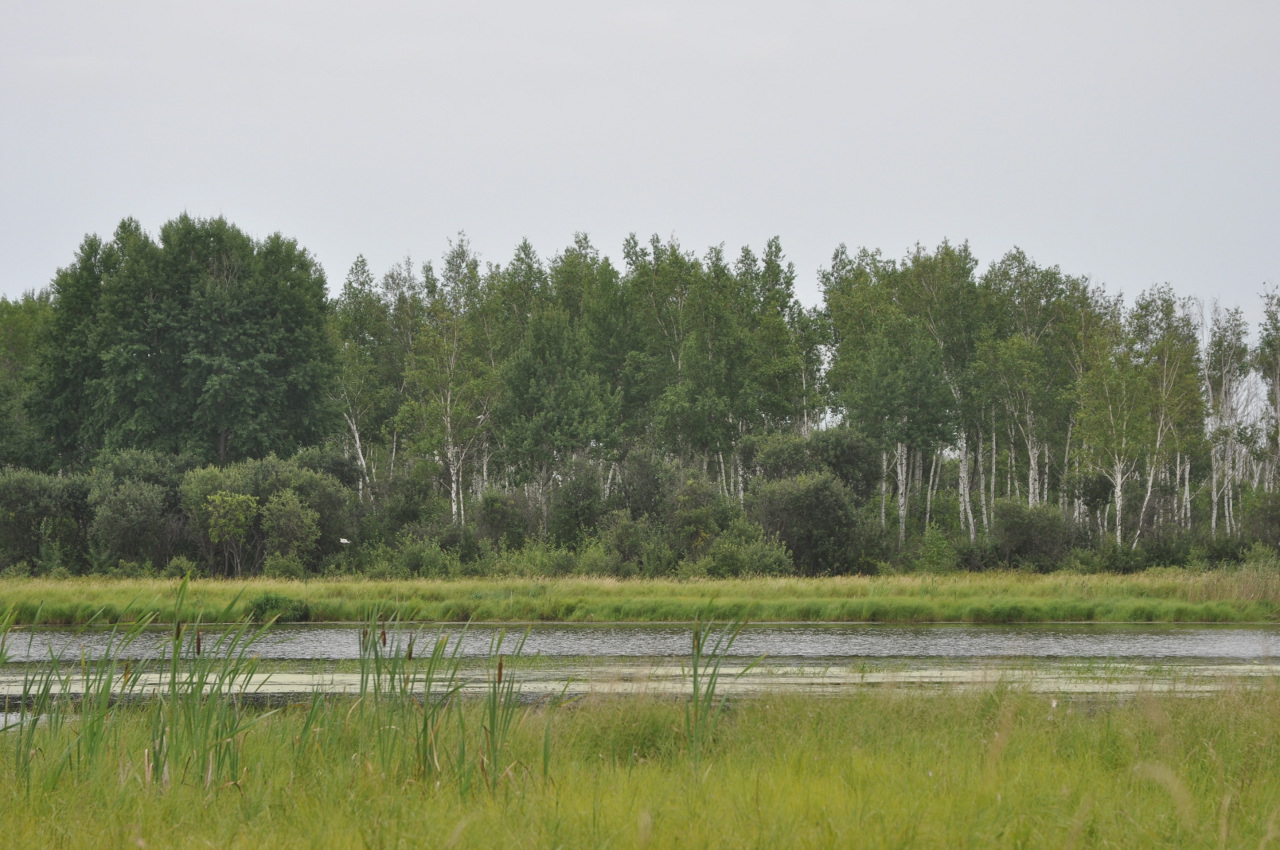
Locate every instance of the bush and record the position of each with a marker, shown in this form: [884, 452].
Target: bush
[277, 565]
[462, 542]
[636, 545]
[43, 518]
[744, 550]
[976, 555]
[285, 609]
[595, 559]
[1261, 522]
[131, 520]
[180, 566]
[1038, 537]
[813, 515]
[502, 520]
[423, 558]
[698, 513]
[540, 559]
[575, 508]
[935, 554]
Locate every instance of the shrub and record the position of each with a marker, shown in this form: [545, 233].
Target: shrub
[935, 554]
[1038, 537]
[575, 507]
[595, 559]
[423, 558]
[43, 517]
[743, 549]
[698, 513]
[285, 609]
[291, 527]
[131, 520]
[462, 542]
[976, 555]
[180, 566]
[277, 565]
[1262, 519]
[813, 515]
[502, 520]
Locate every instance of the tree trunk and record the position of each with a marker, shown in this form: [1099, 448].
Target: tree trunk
[903, 484]
[966, 501]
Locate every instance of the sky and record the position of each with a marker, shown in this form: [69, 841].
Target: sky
[1133, 142]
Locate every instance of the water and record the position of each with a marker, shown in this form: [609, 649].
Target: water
[1132, 643]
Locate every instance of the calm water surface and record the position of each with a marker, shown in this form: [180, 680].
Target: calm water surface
[808, 641]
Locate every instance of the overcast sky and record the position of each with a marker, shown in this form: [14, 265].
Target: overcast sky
[1133, 142]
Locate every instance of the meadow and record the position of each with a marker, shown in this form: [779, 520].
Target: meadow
[1250, 593]
[989, 768]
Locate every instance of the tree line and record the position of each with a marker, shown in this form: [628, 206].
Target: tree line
[197, 399]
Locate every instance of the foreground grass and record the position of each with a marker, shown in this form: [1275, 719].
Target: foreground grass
[997, 768]
[1249, 594]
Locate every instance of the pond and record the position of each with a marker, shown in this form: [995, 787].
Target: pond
[849, 643]
[812, 658]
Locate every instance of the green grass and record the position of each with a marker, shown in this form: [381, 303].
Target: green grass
[193, 765]
[1250, 594]
[996, 768]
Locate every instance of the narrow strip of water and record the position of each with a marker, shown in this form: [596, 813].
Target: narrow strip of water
[1167, 643]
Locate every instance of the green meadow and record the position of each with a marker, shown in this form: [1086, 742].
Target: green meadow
[996, 768]
[175, 751]
[1244, 594]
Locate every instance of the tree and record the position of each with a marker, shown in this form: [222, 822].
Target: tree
[1116, 410]
[451, 384]
[205, 342]
[1224, 375]
[359, 325]
[69, 363]
[553, 405]
[1267, 358]
[20, 326]
[888, 372]
[1168, 351]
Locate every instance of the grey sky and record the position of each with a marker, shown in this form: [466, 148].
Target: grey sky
[1134, 142]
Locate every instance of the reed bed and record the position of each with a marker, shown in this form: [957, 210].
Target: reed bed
[187, 759]
[877, 769]
[1247, 594]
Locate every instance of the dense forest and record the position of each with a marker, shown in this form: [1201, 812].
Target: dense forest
[196, 402]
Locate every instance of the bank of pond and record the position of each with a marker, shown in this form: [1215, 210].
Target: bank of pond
[1250, 593]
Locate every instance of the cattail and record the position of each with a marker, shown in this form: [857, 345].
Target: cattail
[408, 656]
[384, 635]
[500, 669]
[197, 641]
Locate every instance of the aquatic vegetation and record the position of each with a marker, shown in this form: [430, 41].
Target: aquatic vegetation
[1226, 595]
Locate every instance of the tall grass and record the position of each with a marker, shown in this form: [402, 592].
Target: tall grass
[703, 709]
[995, 767]
[1248, 594]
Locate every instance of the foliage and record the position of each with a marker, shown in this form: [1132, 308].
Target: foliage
[638, 416]
[1037, 537]
[814, 517]
[204, 341]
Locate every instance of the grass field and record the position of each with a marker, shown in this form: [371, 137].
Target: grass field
[878, 769]
[409, 762]
[1246, 594]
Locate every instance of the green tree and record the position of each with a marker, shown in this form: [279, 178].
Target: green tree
[204, 342]
[451, 384]
[554, 407]
[20, 324]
